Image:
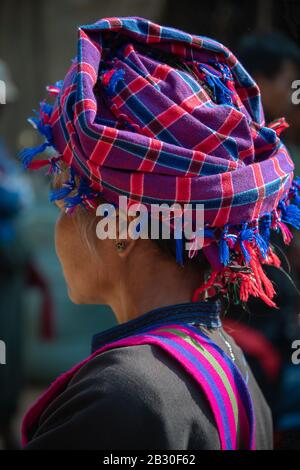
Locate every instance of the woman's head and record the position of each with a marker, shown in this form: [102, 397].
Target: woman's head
[98, 270]
[169, 117]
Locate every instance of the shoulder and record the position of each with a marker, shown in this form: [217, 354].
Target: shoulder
[125, 398]
[134, 368]
[132, 375]
[146, 377]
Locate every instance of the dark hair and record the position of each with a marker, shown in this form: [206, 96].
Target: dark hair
[265, 52]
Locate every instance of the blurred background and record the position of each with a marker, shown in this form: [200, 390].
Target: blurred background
[45, 334]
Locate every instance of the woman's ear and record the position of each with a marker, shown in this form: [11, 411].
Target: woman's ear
[124, 242]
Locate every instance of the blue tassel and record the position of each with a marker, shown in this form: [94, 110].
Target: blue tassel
[296, 200]
[115, 78]
[54, 166]
[223, 69]
[44, 129]
[179, 249]
[247, 234]
[294, 191]
[261, 244]
[221, 93]
[68, 186]
[59, 84]
[61, 193]
[265, 228]
[84, 190]
[73, 201]
[46, 108]
[224, 251]
[291, 215]
[223, 247]
[28, 154]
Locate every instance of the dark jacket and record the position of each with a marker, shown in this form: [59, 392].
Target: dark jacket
[138, 397]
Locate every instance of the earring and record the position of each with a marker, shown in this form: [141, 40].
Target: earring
[120, 246]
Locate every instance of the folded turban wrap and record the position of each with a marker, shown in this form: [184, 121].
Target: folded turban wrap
[129, 120]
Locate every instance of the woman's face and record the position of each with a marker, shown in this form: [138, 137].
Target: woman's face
[96, 272]
[90, 274]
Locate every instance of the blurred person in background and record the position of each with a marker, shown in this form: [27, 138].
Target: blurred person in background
[265, 334]
[15, 196]
[273, 60]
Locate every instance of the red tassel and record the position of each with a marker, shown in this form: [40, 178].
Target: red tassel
[37, 164]
[253, 282]
[265, 287]
[52, 90]
[205, 286]
[107, 76]
[272, 259]
[286, 233]
[279, 125]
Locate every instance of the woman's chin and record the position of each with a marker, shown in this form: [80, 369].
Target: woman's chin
[74, 297]
[80, 299]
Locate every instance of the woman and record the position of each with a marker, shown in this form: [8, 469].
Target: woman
[160, 116]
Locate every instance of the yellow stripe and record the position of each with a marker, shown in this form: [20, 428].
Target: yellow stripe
[214, 363]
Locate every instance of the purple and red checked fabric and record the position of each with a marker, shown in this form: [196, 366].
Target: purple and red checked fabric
[129, 120]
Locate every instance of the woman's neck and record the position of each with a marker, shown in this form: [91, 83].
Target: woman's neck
[153, 285]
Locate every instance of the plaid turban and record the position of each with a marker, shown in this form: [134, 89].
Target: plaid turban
[129, 120]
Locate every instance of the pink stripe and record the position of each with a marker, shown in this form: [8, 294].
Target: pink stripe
[243, 418]
[216, 378]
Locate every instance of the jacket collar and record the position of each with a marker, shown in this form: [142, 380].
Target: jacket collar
[205, 313]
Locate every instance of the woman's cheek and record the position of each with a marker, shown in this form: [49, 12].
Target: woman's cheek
[60, 236]
[77, 263]
[67, 248]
